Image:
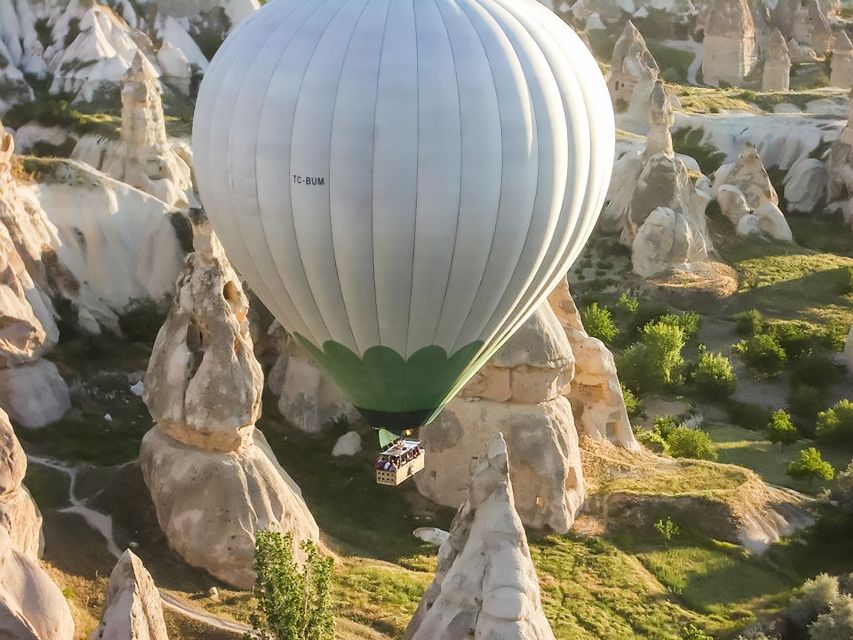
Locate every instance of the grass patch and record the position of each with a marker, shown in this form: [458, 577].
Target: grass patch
[678, 478]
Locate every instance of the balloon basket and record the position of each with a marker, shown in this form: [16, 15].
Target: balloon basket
[399, 462]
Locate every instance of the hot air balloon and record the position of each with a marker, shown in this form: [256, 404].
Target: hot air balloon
[402, 182]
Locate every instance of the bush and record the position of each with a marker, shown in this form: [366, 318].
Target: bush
[651, 364]
[653, 441]
[810, 465]
[795, 338]
[692, 632]
[836, 423]
[763, 353]
[749, 323]
[748, 416]
[714, 377]
[667, 528]
[629, 303]
[665, 425]
[691, 443]
[141, 319]
[805, 401]
[633, 405]
[818, 594]
[835, 624]
[816, 369]
[293, 603]
[687, 321]
[780, 429]
[598, 322]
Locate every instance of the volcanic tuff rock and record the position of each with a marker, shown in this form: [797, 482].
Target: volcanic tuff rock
[519, 392]
[630, 57]
[31, 606]
[213, 479]
[132, 609]
[841, 65]
[19, 515]
[143, 157]
[485, 584]
[840, 169]
[777, 64]
[730, 43]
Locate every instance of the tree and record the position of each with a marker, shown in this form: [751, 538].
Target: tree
[808, 465]
[836, 423]
[781, 430]
[763, 353]
[598, 322]
[651, 364]
[293, 603]
[714, 377]
[685, 442]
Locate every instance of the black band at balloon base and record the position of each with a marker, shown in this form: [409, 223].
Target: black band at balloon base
[396, 421]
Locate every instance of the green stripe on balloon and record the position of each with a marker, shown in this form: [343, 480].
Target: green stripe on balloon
[383, 381]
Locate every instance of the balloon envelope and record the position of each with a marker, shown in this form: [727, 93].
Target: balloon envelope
[402, 181]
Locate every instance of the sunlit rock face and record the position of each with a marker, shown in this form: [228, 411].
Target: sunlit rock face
[630, 57]
[729, 43]
[776, 75]
[88, 46]
[653, 203]
[810, 27]
[143, 157]
[132, 609]
[213, 479]
[31, 606]
[595, 391]
[748, 199]
[19, 515]
[840, 170]
[841, 64]
[485, 584]
[519, 393]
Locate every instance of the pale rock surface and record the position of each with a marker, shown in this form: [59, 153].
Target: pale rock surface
[811, 27]
[839, 168]
[777, 64]
[348, 444]
[31, 606]
[595, 392]
[19, 515]
[805, 184]
[841, 65]
[630, 57]
[308, 397]
[730, 43]
[519, 393]
[636, 117]
[772, 222]
[213, 479]
[132, 609]
[749, 176]
[34, 394]
[143, 157]
[485, 584]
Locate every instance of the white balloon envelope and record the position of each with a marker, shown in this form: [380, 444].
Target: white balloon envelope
[402, 181]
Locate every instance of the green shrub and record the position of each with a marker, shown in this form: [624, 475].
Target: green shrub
[810, 465]
[749, 322]
[629, 303]
[292, 603]
[834, 336]
[763, 353]
[818, 594]
[836, 423]
[691, 443]
[714, 377]
[598, 322]
[692, 632]
[667, 528]
[633, 405]
[816, 369]
[687, 321]
[652, 363]
[835, 624]
[748, 416]
[780, 429]
[141, 319]
[653, 441]
[794, 337]
[805, 401]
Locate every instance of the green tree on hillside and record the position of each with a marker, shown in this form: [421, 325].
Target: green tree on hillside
[810, 465]
[781, 430]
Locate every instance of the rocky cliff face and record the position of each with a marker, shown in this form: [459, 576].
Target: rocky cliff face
[132, 609]
[19, 515]
[213, 479]
[485, 584]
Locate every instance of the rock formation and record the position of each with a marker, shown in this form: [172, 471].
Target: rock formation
[652, 189]
[144, 157]
[777, 64]
[748, 199]
[485, 583]
[839, 168]
[132, 609]
[841, 65]
[805, 185]
[729, 44]
[31, 389]
[636, 117]
[810, 27]
[19, 515]
[595, 392]
[213, 479]
[308, 397]
[519, 392]
[630, 57]
[31, 606]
